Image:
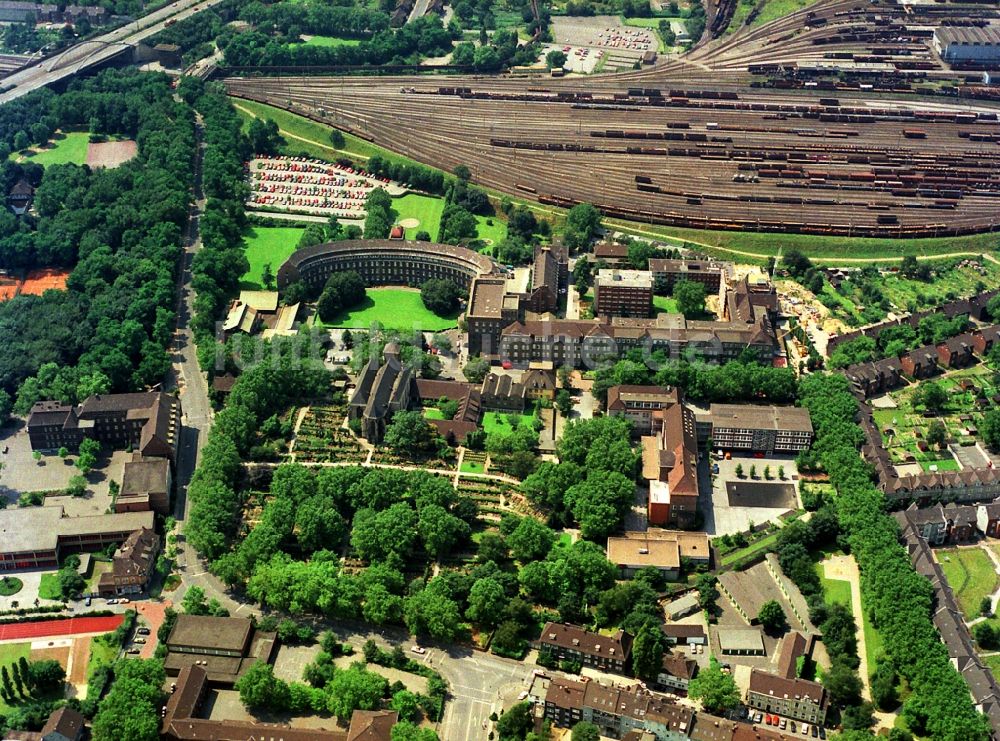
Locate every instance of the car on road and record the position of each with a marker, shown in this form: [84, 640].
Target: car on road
[112, 601]
[142, 631]
[132, 651]
[139, 641]
[419, 650]
[87, 601]
[123, 601]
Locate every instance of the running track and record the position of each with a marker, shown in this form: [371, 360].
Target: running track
[70, 626]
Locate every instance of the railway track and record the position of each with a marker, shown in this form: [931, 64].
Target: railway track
[710, 145]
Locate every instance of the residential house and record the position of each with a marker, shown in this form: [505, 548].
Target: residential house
[501, 392]
[572, 643]
[21, 193]
[539, 383]
[920, 363]
[800, 699]
[988, 519]
[956, 352]
[133, 565]
[676, 673]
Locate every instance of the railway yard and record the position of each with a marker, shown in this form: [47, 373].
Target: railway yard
[839, 119]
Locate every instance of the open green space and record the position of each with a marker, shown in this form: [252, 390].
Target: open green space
[10, 585]
[268, 244]
[67, 148]
[329, 41]
[426, 210]
[767, 11]
[940, 464]
[49, 587]
[393, 308]
[494, 422]
[763, 545]
[665, 304]
[433, 413]
[491, 233]
[835, 591]
[971, 576]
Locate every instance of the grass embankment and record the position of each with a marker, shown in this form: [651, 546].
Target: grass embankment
[393, 308]
[311, 138]
[328, 41]
[268, 244]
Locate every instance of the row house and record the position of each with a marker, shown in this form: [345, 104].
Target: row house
[870, 379]
[616, 711]
[641, 405]
[956, 352]
[920, 363]
[573, 643]
[941, 524]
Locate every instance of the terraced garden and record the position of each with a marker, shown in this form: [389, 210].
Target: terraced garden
[322, 439]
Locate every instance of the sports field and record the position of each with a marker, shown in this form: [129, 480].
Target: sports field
[268, 244]
[66, 148]
[393, 308]
[425, 210]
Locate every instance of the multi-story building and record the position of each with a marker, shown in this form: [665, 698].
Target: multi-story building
[616, 711]
[656, 548]
[578, 343]
[760, 429]
[146, 484]
[670, 464]
[549, 278]
[791, 697]
[491, 308]
[38, 537]
[676, 673]
[641, 405]
[573, 643]
[667, 272]
[146, 422]
[502, 392]
[133, 565]
[623, 293]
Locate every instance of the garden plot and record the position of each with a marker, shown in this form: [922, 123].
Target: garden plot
[304, 186]
[321, 437]
[906, 427]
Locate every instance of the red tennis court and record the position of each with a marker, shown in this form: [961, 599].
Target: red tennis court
[71, 626]
[38, 282]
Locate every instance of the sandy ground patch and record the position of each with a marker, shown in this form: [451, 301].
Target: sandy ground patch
[409, 223]
[79, 657]
[110, 154]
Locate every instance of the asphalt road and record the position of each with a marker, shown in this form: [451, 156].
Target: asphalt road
[85, 54]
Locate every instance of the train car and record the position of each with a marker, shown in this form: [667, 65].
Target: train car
[914, 134]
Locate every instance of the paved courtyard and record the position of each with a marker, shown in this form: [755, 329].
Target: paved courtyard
[722, 517]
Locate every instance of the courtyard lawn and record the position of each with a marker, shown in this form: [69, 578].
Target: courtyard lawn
[970, 575]
[497, 421]
[943, 464]
[49, 587]
[393, 308]
[329, 41]
[665, 304]
[426, 210]
[65, 148]
[433, 413]
[993, 662]
[268, 244]
[491, 233]
[836, 591]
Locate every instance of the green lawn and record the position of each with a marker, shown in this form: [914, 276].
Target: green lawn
[268, 244]
[426, 210]
[66, 148]
[472, 467]
[329, 41]
[498, 421]
[993, 662]
[835, 591]
[491, 233]
[393, 308]
[49, 587]
[10, 585]
[9, 654]
[665, 304]
[943, 464]
[873, 639]
[970, 575]
[433, 413]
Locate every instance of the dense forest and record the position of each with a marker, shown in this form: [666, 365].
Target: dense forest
[119, 230]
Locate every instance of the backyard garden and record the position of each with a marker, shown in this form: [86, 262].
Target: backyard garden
[909, 430]
[971, 576]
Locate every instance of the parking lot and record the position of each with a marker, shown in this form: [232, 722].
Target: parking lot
[620, 46]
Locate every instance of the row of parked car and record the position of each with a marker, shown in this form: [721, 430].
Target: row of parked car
[784, 724]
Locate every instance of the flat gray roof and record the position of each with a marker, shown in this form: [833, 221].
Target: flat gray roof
[760, 417]
[29, 529]
[741, 639]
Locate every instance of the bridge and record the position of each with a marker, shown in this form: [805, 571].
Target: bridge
[94, 52]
